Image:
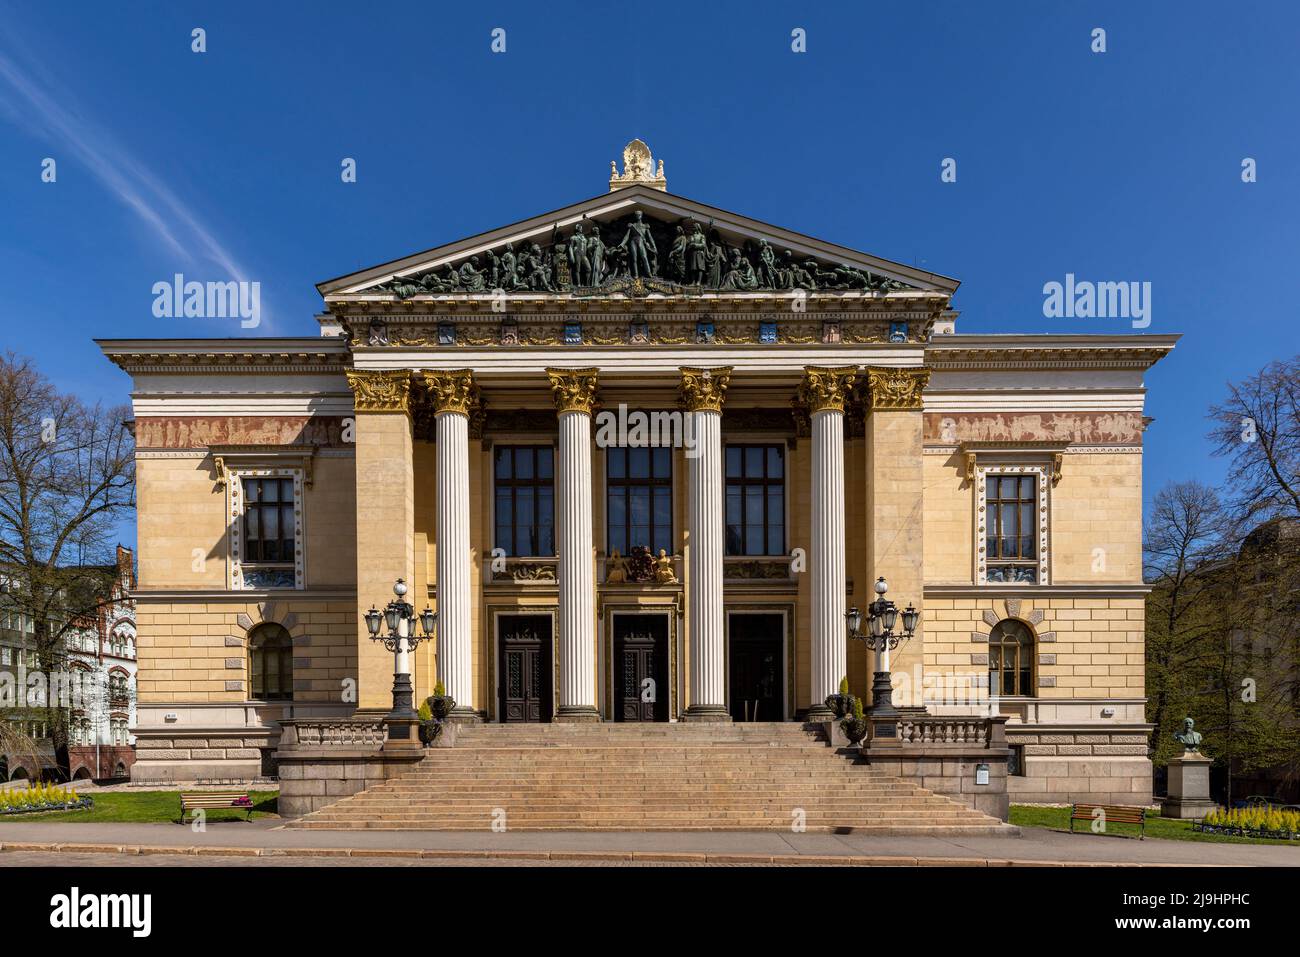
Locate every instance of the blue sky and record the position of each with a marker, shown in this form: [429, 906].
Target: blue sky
[1124, 165]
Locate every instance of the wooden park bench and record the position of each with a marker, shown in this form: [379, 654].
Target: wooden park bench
[209, 800]
[1112, 814]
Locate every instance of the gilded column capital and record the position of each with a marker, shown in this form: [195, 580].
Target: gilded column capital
[896, 389]
[452, 390]
[380, 391]
[825, 389]
[575, 389]
[702, 390]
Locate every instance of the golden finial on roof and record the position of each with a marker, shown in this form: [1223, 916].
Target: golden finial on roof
[637, 164]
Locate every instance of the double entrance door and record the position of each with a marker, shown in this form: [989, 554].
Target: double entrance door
[640, 667]
[525, 678]
[754, 672]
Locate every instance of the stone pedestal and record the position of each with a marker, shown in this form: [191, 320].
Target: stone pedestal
[1189, 788]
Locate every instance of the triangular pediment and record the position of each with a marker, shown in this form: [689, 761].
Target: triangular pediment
[636, 241]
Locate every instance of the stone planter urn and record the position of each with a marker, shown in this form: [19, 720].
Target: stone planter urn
[854, 728]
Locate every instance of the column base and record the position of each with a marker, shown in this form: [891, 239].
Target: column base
[819, 713]
[464, 715]
[577, 713]
[715, 713]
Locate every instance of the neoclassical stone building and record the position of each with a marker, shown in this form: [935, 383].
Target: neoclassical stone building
[640, 455]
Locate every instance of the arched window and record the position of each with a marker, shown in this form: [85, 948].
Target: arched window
[270, 665]
[117, 686]
[1011, 659]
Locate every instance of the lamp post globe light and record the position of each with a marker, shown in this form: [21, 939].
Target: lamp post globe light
[401, 620]
[880, 637]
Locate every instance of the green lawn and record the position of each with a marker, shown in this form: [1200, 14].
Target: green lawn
[1169, 829]
[147, 806]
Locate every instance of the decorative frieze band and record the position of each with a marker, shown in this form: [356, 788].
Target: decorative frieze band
[702, 390]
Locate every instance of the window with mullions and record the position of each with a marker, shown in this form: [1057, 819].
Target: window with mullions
[1011, 659]
[755, 500]
[1012, 531]
[270, 665]
[268, 521]
[525, 499]
[640, 498]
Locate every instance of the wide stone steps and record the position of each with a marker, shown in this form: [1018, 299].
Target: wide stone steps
[676, 777]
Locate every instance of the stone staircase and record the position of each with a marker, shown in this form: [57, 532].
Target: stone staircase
[646, 777]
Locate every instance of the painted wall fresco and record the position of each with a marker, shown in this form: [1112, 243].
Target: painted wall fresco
[197, 432]
[1082, 428]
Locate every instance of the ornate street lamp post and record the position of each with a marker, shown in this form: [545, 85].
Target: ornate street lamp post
[882, 616]
[399, 615]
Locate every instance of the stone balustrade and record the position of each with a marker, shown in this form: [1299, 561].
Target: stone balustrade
[357, 732]
[940, 730]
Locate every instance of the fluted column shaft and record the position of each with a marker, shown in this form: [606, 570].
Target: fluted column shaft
[455, 646]
[829, 650]
[705, 526]
[825, 392]
[454, 394]
[574, 394]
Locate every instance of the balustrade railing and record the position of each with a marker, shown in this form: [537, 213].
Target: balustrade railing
[332, 733]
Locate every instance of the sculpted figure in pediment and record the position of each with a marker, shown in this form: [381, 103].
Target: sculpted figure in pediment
[640, 245]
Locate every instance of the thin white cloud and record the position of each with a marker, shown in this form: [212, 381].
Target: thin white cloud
[175, 225]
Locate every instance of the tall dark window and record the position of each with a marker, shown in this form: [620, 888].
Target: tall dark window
[755, 500]
[525, 507]
[1012, 532]
[270, 665]
[1011, 659]
[640, 484]
[268, 520]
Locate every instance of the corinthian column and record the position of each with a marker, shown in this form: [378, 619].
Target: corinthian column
[575, 394]
[453, 394]
[702, 391]
[824, 392]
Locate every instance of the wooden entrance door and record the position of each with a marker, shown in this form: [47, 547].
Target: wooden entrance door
[640, 667]
[524, 680]
[754, 653]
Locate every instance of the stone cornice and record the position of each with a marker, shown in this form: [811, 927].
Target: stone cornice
[958, 353]
[574, 389]
[702, 390]
[994, 591]
[895, 389]
[381, 391]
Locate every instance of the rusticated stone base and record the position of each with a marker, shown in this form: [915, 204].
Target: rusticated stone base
[311, 779]
[1064, 764]
[198, 754]
[945, 756]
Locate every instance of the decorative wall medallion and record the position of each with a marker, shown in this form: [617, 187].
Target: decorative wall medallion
[380, 391]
